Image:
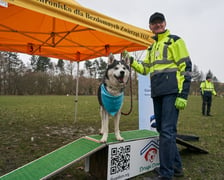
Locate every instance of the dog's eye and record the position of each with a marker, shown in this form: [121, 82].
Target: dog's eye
[116, 68]
[124, 68]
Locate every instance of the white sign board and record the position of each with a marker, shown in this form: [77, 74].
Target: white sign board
[145, 104]
[3, 3]
[129, 159]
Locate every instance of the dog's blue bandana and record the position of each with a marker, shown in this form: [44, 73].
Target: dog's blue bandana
[111, 103]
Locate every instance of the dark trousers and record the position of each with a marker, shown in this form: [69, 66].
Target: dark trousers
[206, 104]
[166, 116]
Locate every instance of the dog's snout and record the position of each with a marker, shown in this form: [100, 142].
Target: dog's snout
[122, 73]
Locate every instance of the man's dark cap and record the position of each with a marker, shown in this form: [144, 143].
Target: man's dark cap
[156, 16]
[208, 77]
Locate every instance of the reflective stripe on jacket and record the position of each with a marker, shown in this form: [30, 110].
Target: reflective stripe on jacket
[169, 65]
[207, 88]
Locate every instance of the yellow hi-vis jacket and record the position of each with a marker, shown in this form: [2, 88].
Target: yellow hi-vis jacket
[207, 88]
[169, 65]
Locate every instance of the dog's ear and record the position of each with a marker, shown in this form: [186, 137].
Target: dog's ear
[110, 58]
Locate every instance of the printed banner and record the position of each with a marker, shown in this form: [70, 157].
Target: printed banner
[68, 31]
[77, 14]
[145, 104]
[129, 159]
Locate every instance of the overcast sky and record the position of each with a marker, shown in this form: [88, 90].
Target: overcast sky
[199, 22]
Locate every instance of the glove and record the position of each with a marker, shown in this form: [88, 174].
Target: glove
[125, 53]
[180, 103]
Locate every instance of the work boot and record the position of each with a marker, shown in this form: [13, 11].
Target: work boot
[178, 172]
[161, 178]
[203, 113]
[157, 178]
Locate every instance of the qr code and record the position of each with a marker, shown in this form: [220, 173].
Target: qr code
[120, 159]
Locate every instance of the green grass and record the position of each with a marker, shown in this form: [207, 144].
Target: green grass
[49, 121]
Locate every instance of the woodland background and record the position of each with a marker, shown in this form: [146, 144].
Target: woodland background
[42, 76]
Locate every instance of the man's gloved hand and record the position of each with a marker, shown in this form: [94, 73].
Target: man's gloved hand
[125, 53]
[180, 103]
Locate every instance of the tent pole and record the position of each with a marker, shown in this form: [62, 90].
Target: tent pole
[76, 92]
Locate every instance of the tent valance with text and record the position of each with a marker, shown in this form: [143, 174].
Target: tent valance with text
[66, 30]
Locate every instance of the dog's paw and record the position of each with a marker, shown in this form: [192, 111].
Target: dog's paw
[119, 138]
[103, 140]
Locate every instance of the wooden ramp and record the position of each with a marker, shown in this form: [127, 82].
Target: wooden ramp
[55, 161]
[190, 146]
[60, 159]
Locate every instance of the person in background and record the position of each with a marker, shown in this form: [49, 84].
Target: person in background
[168, 62]
[207, 90]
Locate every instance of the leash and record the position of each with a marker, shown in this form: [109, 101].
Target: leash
[130, 110]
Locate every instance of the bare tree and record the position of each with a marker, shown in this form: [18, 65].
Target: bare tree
[196, 75]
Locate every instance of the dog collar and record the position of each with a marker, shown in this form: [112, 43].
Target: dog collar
[111, 103]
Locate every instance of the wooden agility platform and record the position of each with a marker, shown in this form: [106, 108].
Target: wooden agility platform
[60, 159]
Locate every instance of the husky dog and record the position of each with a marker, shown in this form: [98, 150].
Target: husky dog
[111, 95]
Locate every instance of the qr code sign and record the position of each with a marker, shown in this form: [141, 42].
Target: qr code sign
[120, 159]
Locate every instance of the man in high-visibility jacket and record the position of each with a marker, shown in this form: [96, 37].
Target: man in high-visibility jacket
[207, 90]
[168, 62]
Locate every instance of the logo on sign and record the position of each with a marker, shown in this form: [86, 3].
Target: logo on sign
[150, 150]
[150, 154]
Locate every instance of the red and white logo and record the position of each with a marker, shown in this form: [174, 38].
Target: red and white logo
[150, 151]
[150, 154]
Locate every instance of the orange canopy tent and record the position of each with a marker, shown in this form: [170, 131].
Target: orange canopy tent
[66, 30]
